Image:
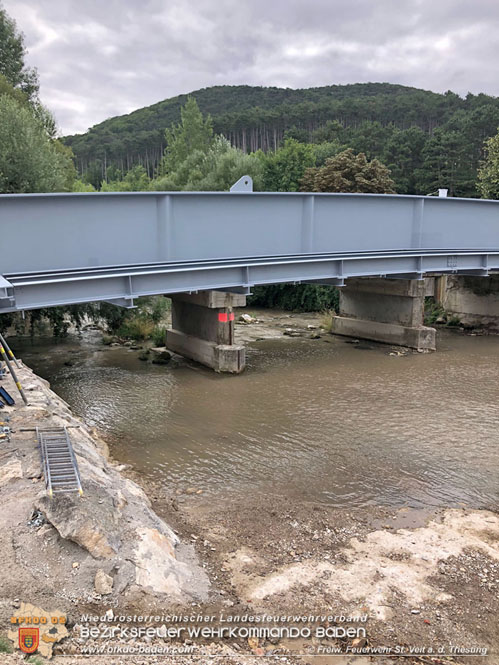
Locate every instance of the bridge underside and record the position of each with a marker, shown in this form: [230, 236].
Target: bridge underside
[121, 285]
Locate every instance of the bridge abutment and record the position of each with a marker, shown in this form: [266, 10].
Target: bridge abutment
[474, 300]
[385, 310]
[203, 329]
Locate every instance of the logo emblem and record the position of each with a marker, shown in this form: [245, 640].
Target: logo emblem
[29, 639]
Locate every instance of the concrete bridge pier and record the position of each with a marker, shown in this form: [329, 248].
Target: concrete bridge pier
[385, 310]
[203, 329]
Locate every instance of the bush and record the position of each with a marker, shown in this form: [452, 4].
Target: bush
[154, 307]
[433, 311]
[300, 298]
[454, 321]
[138, 328]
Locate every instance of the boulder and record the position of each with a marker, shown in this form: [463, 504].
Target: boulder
[11, 470]
[246, 318]
[80, 522]
[156, 567]
[103, 583]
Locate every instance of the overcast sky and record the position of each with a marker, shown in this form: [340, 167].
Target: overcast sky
[100, 58]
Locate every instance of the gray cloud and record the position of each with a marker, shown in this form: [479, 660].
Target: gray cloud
[98, 59]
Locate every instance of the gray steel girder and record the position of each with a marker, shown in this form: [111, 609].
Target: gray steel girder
[71, 248]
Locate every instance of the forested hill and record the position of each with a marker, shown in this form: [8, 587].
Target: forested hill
[362, 115]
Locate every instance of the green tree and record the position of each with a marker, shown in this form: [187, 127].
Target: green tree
[193, 133]
[7, 88]
[80, 186]
[223, 166]
[369, 138]
[403, 156]
[324, 151]
[446, 163]
[136, 180]
[207, 164]
[284, 168]
[348, 172]
[216, 170]
[488, 174]
[12, 52]
[29, 160]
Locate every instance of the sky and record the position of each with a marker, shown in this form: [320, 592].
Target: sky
[101, 58]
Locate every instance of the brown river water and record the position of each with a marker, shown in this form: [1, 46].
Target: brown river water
[344, 424]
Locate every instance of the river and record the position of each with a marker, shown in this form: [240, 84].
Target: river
[340, 423]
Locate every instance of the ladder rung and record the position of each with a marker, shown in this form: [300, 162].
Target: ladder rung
[59, 461]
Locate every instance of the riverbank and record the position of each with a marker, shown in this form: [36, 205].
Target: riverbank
[71, 554]
[424, 578]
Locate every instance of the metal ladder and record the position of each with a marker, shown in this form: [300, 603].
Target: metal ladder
[60, 467]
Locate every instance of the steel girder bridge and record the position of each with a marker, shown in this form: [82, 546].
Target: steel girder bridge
[60, 249]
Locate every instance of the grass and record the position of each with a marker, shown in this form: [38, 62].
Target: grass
[326, 321]
[158, 335]
[5, 646]
[36, 660]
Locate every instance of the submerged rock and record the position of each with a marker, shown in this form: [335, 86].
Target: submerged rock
[161, 356]
[289, 332]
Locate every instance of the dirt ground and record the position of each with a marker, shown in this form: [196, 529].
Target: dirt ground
[423, 582]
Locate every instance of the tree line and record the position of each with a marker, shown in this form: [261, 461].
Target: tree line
[426, 139]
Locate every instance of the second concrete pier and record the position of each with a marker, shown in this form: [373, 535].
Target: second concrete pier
[385, 310]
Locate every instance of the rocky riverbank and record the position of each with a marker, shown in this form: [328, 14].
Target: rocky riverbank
[103, 549]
